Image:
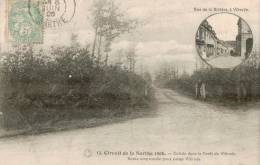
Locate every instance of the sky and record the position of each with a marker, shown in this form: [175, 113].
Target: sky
[218, 22]
[167, 33]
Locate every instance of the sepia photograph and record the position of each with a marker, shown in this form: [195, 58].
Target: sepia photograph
[140, 82]
[224, 46]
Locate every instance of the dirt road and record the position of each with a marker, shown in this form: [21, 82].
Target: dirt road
[181, 125]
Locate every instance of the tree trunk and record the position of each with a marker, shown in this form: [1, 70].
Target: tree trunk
[133, 64]
[106, 60]
[203, 91]
[99, 48]
[94, 44]
[197, 90]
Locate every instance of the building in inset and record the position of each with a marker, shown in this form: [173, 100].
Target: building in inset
[231, 47]
[208, 44]
[222, 48]
[206, 40]
[244, 39]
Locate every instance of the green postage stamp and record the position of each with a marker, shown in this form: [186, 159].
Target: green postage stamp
[25, 22]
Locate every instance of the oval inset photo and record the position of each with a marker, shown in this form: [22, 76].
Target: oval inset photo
[224, 40]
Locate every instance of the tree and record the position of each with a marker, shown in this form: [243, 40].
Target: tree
[109, 23]
[131, 59]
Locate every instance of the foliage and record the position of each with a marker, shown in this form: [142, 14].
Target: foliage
[109, 23]
[42, 85]
[220, 83]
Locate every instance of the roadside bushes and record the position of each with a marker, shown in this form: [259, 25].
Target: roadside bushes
[219, 82]
[241, 83]
[183, 84]
[66, 83]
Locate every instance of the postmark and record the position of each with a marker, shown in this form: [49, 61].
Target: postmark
[55, 12]
[21, 27]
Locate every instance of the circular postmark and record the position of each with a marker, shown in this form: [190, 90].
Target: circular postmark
[20, 25]
[55, 12]
[224, 40]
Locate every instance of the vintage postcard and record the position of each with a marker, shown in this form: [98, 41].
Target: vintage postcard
[117, 82]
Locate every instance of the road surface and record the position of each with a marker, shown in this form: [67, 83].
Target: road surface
[225, 61]
[181, 125]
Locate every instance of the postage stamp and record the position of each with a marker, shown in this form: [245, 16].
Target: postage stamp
[23, 27]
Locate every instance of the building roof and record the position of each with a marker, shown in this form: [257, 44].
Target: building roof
[206, 25]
